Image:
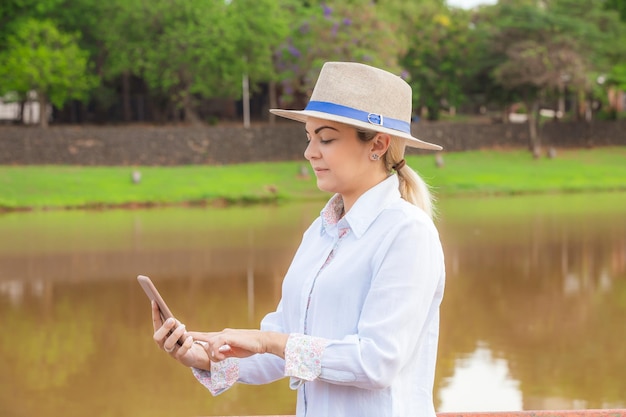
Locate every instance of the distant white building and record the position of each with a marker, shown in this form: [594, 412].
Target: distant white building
[10, 109]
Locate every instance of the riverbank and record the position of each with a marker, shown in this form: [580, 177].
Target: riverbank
[487, 172]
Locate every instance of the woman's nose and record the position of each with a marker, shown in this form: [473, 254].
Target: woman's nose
[311, 151]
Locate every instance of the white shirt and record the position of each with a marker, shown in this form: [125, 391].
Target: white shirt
[361, 304]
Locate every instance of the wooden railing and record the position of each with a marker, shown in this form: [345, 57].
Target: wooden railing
[616, 412]
[542, 413]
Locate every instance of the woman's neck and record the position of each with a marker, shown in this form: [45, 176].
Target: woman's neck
[349, 199]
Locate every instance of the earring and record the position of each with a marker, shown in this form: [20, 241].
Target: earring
[374, 157]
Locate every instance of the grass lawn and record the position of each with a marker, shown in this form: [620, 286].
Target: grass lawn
[464, 173]
[516, 172]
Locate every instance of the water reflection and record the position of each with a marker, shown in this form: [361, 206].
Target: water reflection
[498, 390]
[541, 283]
[532, 319]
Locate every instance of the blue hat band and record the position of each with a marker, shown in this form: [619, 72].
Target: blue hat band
[361, 116]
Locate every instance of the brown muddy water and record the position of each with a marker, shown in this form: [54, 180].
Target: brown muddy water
[534, 315]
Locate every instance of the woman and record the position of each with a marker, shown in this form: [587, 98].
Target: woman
[357, 326]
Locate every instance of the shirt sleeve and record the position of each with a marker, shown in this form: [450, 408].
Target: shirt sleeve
[254, 370]
[303, 358]
[221, 377]
[303, 362]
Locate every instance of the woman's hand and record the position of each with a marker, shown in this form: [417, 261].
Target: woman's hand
[241, 343]
[166, 335]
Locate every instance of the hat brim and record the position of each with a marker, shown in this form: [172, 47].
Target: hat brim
[303, 115]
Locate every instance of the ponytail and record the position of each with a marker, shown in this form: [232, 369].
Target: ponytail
[412, 187]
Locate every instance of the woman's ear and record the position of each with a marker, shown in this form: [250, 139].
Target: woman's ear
[380, 144]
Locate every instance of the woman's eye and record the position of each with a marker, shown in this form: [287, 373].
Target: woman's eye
[321, 141]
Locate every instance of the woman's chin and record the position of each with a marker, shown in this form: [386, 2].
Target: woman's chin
[324, 186]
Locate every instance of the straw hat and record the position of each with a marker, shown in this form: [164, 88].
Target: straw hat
[364, 97]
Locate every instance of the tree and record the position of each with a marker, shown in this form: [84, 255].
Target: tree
[538, 50]
[440, 58]
[534, 69]
[617, 75]
[261, 27]
[42, 59]
[354, 30]
[13, 11]
[89, 18]
[186, 50]
[188, 47]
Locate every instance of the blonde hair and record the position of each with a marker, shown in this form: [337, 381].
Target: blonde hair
[412, 187]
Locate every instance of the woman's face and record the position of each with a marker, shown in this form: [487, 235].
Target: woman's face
[341, 161]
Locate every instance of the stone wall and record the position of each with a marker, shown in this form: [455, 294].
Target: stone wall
[180, 145]
[455, 137]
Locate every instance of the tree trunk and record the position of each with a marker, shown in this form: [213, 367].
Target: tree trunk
[560, 111]
[588, 110]
[433, 112]
[128, 115]
[582, 105]
[534, 140]
[273, 101]
[190, 114]
[43, 109]
[20, 114]
[245, 86]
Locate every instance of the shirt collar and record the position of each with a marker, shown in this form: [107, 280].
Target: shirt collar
[363, 212]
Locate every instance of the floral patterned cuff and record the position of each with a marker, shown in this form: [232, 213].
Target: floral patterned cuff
[303, 356]
[221, 377]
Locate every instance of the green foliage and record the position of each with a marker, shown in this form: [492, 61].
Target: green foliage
[538, 48]
[595, 28]
[259, 27]
[535, 50]
[181, 52]
[335, 31]
[538, 51]
[12, 12]
[184, 49]
[41, 58]
[440, 58]
[617, 5]
[617, 76]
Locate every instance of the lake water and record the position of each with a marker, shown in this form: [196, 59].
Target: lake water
[533, 317]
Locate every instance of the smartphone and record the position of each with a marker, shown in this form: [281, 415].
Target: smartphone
[153, 294]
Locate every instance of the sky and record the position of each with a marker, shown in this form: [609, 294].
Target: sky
[467, 4]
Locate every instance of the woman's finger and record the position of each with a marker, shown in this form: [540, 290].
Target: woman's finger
[203, 336]
[172, 341]
[219, 348]
[161, 333]
[184, 348]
